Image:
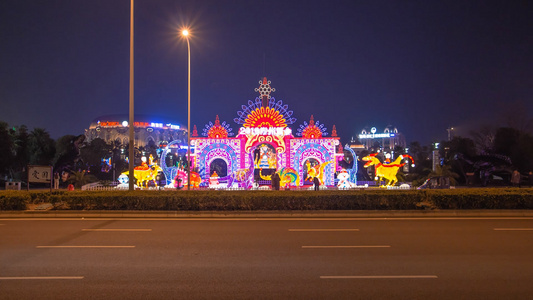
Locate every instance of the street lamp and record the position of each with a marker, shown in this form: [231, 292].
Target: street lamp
[131, 121]
[185, 33]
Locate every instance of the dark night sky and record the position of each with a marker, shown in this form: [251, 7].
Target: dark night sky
[421, 66]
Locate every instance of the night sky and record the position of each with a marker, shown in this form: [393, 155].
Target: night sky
[421, 66]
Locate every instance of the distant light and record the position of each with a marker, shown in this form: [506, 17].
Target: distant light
[124, 123]
[185, 32]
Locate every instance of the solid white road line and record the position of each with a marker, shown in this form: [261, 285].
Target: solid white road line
[116, 229]
[85, 247]
[382, 277]
[41, 277]
[322, 230]
[328, 247]
[513, 229]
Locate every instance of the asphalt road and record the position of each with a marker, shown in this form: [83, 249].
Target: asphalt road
[340, 258]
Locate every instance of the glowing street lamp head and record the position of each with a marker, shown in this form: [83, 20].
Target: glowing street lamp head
[185, 32]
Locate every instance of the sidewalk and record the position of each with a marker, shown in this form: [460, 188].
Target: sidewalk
[271, 214]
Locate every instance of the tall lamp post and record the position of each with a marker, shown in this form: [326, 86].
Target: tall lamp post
[130, 123]
[185, 33]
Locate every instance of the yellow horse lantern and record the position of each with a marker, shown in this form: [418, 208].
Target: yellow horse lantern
[386, 171]
[144, 175]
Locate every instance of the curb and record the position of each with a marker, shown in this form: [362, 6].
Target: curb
[270, 214]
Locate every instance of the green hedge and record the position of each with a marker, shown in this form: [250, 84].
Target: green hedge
[207, 200]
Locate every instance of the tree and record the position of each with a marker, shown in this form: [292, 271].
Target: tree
[6, 149]
[484, 138]
[517, 145]
[453, 153]
[93, 153]
[63, 145]
[21, 139]
[41, 147]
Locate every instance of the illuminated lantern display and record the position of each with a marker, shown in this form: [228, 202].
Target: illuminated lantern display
[264, 145]
[217, 130]
[385, 171]
[312, 130]
[344, 180]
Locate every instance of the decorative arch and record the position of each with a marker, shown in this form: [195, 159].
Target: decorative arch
[318, 152]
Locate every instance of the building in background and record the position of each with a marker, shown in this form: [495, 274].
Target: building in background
[386, 141]
[114, 128]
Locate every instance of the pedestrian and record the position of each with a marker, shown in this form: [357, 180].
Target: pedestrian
[530, 177]
[275, 181]
[515, 178]
[316, 181]
[56, 181]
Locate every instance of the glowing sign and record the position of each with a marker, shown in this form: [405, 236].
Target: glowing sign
[274, 131]
[106, 124]
[376, 135]
[138, 124]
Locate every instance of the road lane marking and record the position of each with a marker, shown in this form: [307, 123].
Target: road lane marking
[41, 278]
[116, 229]
[327, 247]
[513, 229]
[320, 230]
[85, 247]
[382, 277]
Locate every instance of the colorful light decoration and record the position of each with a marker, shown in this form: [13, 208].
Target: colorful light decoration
[265, 117]
[322, 150]
[217, 130]
[312, 130]
[385, 171]
[275, 114]
[254, 115]
[264, 88]
[265, 122]
[334, 131]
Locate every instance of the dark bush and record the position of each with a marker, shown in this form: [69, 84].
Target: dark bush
[208, 200]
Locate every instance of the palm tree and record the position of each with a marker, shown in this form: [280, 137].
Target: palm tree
[445, 170]
[79, 178]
